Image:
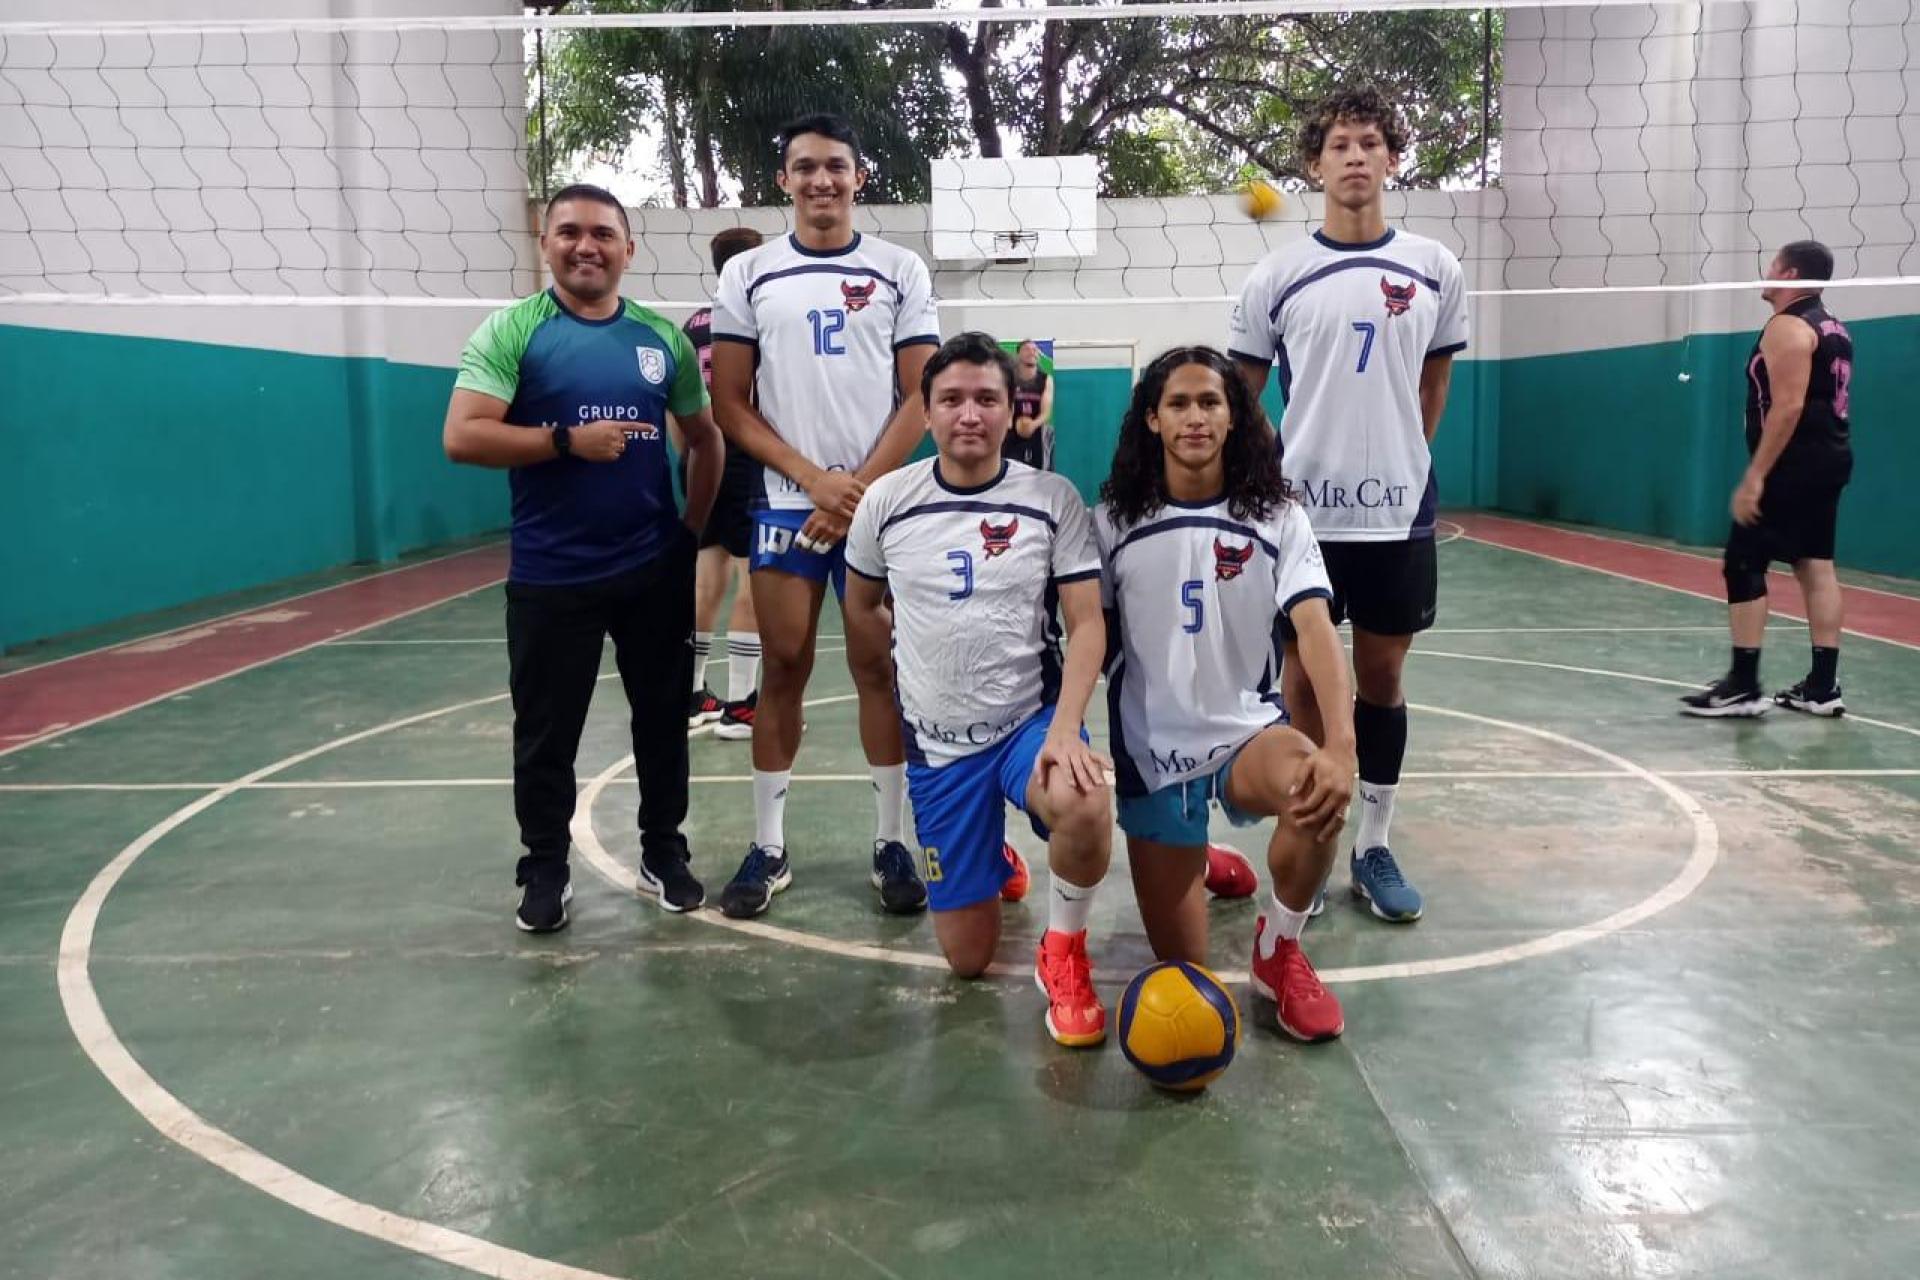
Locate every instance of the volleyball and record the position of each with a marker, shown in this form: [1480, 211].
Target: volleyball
[1179, 1025]
[1260, 200]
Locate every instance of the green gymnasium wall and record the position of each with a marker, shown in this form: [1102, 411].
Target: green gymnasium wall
[1615, 439]
[142, 473]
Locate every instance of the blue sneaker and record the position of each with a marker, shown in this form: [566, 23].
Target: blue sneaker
[750, 892]
[1377, 878]
[901, 891]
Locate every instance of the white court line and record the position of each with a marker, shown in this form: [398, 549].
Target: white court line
[1709, 559]
[428, 784]
[1557, 631]
[1634, 675]
[181, 1124]
[363, 644]
[1706, 851]
[1667, 586]
[251, 666]
[241, 613]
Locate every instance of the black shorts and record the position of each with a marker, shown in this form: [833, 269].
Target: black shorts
[731, 523]
[1796, 523]
[1388, 588]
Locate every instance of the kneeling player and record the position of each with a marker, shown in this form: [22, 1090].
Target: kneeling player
[974, 549]
[1205, 558]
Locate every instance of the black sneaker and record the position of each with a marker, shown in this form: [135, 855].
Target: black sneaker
[703, 707]
[1724, 698]
[736, 722]
[543, 906]
[894, 875]
[1815, 702]
[764, 873]
[668, 878]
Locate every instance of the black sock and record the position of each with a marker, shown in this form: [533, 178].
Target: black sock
[1380, 740]
[1746, 668]
[1826, 666]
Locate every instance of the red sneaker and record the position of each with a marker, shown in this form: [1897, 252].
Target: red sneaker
[1230, 873]
[1075, 1016]
[1305, 1009]
[1019, 882]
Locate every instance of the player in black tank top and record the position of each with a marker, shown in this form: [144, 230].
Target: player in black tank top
[1819, 453]
[1787, 505]
[1030, 404]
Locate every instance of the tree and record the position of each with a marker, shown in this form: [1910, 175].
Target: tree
[716, 97]
[1171, 106]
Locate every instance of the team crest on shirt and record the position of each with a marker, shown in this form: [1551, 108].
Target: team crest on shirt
[998, 538]
[1399, 297]
[1229, 561]
[858, 295]
[653, 365]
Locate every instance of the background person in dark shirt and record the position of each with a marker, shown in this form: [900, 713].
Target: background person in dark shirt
[1787, 504]
[1031, 440]
[569, 390]
[723, 552]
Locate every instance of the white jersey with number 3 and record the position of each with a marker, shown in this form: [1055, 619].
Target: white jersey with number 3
[1351, 327]
[971, 571]
[1197, 595]
[826, 327]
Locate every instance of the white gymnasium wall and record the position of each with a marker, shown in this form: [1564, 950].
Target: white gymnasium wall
[277, 163]
[1676, 143]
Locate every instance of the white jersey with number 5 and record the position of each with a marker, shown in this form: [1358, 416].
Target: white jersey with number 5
[972, 571]
[1197, 596]
[1351, 326]
[825, 326]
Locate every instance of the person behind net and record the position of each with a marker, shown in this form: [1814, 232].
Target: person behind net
[1031, 440]
[1787, 504]
[819, 340]
[723, 552]
[974, 549]
[1364, 320]
[1204, 557]
[570, 391]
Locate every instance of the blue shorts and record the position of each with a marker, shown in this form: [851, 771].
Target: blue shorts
[960, 814]
[774, 531]
[1178, 814]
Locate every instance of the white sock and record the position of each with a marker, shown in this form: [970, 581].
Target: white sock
[1070, 906]
[889, 801]
[1376, 815]
[1283, 922]
[702, 648]
[770, 808]
[743, 664]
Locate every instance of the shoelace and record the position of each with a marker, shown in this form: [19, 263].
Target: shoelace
[1073, 981]
[894, 861]
[1379, 864]
[1299, 979]
[758, 866]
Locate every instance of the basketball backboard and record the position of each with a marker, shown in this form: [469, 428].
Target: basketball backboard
[1014, 209]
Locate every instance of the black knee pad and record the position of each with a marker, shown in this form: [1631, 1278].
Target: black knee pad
[1746, 580]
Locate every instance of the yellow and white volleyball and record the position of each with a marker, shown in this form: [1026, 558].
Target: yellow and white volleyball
[1260, 200]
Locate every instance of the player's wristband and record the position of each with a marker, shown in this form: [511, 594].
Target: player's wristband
[562, 441]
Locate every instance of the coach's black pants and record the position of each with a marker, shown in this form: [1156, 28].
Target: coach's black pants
[554, 638]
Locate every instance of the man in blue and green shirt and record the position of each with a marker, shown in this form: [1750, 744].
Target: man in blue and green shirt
[569, 390]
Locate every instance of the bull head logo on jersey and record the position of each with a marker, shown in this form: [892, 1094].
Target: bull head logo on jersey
[858, 295]
[1399, 297]
[998, 538]
[1229, 561]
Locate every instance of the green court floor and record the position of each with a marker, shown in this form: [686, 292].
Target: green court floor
[265, 1012]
